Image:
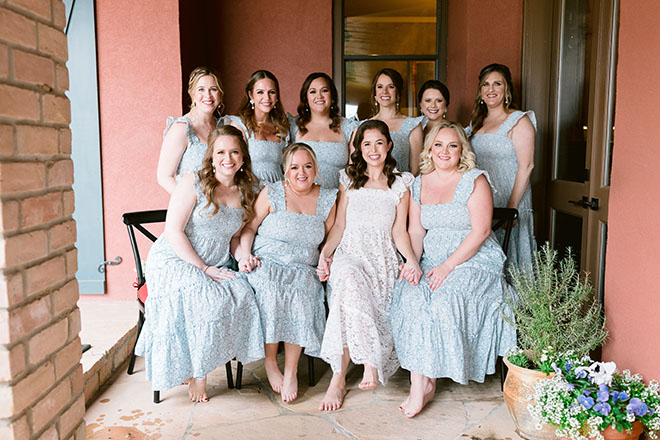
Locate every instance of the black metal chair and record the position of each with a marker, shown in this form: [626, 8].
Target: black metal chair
[136, 220]
[504, 218]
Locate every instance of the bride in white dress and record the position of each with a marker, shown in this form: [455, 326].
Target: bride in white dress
[370, 227]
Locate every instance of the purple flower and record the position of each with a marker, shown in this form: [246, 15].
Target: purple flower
[637, 407]
[623, 396]
[585, 401]
[603, 393]
[603, 408]
[570, 386]
[581, 372]
[568, 366]
[587, 392]
[555, 368]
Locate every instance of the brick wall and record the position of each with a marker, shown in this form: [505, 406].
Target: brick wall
[41, 380]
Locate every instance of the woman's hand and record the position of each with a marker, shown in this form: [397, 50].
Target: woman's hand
[218, 275]
[248, 263]
[323, 269]
[438, 275]
[411, 272]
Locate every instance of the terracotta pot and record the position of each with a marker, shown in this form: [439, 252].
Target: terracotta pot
[518, 386]
[612, 434]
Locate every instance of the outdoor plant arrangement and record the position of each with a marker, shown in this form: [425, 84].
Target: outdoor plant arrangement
[554, 310]
[591, 400]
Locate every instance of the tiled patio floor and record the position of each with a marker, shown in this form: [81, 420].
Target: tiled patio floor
[125, 411]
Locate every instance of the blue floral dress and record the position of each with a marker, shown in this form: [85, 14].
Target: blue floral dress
[194, 324]
[401, 141]
[191, 160]
[456, 331]
[288, 291]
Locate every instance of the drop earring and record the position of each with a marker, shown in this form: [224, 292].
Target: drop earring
[252, 104]
[213, 167]
[444, 115]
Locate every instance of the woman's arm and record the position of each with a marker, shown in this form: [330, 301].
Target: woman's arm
[522, 136]
[334, 236]
[236, 125]
[480, 206]
[415, 229]
[410, 269]
[247, 261]
[416, 139]
[171, 151]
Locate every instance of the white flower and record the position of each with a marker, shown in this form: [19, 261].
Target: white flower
[601, 372]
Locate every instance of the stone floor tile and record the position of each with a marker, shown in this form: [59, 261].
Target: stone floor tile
[496, 425]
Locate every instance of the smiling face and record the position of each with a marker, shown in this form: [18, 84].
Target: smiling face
[433, 104]
[374, 147]
[493, 89]
[206, 94]
[227, 157]
[385, 91]
[264, 94]
[302, 171]
[319, 97]
[446, 149]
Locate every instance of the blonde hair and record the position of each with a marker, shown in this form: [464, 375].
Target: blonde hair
[287, 156]
[194, 78]
[466, 162]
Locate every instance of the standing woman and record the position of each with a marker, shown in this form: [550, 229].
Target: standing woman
[433, 98]
[320, 126]
[200, 314]
[184, 139]
[503, 140]
[264, 124]
[450, 324]
[369, 229]
[406, 132]
[291, 221]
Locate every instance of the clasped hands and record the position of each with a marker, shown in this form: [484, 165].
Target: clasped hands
[323, 268]
[437, 275]
[248, 263]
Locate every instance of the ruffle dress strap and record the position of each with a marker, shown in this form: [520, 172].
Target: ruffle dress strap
[468, 130]
[344, 180]
[293, 127]
[348, 125]
[172, 120]
[409, 124]
[276, 196]
[465, 187]
[327, 198]
[402, 183]
[230, 119]
[416, 190]
[513, 119]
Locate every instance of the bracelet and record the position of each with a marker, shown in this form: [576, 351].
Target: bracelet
[205, 269]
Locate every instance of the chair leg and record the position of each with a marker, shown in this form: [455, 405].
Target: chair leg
[156, 396]
[230, 379]
[503, 371]
[310, 371]
[239, 376]
[131, 363]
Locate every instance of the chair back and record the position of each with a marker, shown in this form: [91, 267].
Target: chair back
[136, 220]
[504, 218]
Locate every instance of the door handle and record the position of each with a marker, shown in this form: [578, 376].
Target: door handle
[585, 203]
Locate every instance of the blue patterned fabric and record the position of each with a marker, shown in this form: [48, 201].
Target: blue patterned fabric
[194, 324]
[332, 156]
[456, 331]
[495, 154]
[288, 291]
[266, 156]
[401, 141]
[191, 161]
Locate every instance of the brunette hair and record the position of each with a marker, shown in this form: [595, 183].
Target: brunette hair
[466, 162]
[397, 80]
[433, 84]
[357, 169]
[304, 113]
[480, 109]
[277, 115]
[194, 78]
[244, 178]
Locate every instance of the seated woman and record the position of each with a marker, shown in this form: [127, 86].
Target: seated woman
[450, 324]
[369, 229]
[199, 314]
[291, 221]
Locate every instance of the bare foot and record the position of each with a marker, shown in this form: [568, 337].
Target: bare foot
[334, 397]
[289, 388]
[275, 377]
[197, 390]
[403, 405]
[420, 393]
[369, 378]
[187, 381]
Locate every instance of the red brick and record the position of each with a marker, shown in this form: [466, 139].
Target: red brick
[49, 434]
[47, 341]
[21, 176]
[80, 432]
[65, 298]
[6, 140]
[4, 61]
[60, 173]
[61, 77]
[36, 140]
[12, 363]
[71, 262]
[105, 372]
[77, 378]
[45, 275]
[24, 320]
[65, 141]
[72, 417]
[56, 109]
[68, 203]
[24, 103]
[41, 209]
[19, 429]
[62, 236]
[59, 14]
[74, 324]
[52, 41]
[24, 248]
[46, 409]
[38, 7]
[16, 28]
[33, 68]
[11, 290]
[91, 387]
[121, 355]
[31, 387]
[9, 216]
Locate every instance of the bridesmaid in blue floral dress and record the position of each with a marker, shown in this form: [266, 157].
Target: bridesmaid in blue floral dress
[450, 323]
[406, 132]
[292, 218]
[184, 138]
[503, 140]
[199, 313]
[320, 126]
[264, 124]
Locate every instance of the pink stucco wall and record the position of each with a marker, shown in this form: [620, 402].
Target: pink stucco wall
[139, 85]
[632, 286]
